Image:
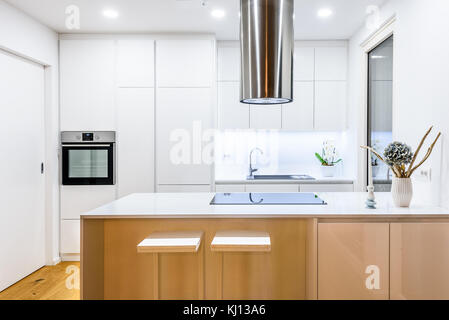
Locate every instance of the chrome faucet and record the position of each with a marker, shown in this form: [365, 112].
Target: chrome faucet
[251, 169]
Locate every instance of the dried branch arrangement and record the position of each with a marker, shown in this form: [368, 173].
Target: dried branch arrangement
[398, 155]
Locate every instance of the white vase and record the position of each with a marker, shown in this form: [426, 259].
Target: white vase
[402, 191]
[328, 171]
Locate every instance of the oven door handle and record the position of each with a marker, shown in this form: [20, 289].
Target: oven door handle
[85, 145]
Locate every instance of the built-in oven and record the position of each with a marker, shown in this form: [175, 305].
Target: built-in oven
[88, 158]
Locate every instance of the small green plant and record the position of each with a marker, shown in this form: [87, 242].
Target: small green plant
[328, 155]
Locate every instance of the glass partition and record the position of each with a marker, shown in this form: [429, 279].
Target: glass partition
[380, 108]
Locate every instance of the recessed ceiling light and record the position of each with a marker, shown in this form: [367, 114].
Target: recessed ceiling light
[217, 13]
[325, 13]
[110, 13]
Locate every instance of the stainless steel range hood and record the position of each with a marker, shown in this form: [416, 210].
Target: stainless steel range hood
[267, 47]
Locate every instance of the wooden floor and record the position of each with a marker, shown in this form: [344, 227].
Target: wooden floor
[60, 282]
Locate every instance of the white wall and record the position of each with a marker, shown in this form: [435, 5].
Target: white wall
[22, 35]
[421, 95]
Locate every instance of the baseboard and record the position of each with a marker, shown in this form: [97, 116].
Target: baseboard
[56, 261]
[70, 257]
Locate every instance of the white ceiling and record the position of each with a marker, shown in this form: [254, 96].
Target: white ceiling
[189, 16]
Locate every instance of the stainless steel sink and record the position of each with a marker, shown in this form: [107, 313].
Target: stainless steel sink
[281, 177]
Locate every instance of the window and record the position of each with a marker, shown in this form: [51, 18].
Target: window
[380, 108]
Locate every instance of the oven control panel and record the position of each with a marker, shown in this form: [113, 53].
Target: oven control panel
[88, 137]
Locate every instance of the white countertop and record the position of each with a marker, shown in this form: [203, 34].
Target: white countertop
[196, 205]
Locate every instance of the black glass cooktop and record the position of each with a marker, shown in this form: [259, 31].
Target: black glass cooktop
[267, 199]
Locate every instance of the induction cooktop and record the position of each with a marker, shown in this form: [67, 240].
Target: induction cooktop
[267, 199]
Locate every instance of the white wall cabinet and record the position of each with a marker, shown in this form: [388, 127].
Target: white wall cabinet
[135, 63]
[299, 115]
[185, 63]
[87, 85]
[266, 117]
[330, 105]
[232, 114]
[183, 149]
[331, 63]
[229, 61]
[304, 63]
[320, 73]
[135, 145]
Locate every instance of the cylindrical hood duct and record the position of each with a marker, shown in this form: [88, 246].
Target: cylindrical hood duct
[267, 47]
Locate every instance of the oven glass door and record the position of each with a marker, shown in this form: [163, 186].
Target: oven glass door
[88, 164]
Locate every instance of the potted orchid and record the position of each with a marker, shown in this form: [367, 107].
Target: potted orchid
[400, 158]
[328, 159]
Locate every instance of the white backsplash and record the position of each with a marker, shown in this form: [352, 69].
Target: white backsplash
[284, 153]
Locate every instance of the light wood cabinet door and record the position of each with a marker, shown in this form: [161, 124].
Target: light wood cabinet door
[419, 261]
[353, 261]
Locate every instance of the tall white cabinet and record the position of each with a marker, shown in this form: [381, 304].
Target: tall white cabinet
[159, 95]
[135, 116]
[185, 104]
[320, 90]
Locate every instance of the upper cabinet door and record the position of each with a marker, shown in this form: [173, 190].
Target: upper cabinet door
[87, 85]
[135, 63]
[229, 62]
[232, 114]
[298, 115]
[266, 116]
[353, 261]
[185, 63]
[331, 63]
[135, 146]
[184, 148]
[330, 105]
[304, 64]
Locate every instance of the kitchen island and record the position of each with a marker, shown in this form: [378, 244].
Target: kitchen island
[336, 251]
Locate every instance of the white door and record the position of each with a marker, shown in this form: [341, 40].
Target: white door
[22, 238]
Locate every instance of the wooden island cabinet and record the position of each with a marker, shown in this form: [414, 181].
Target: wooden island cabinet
[337, 251]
